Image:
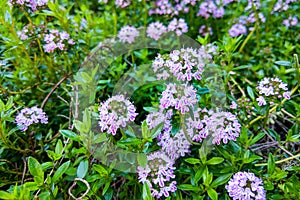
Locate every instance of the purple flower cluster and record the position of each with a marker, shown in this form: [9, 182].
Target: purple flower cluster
[32, 5]
[57, 40]
[291, 21]
[272, 89]
[209, 7]
[155, 30]
[122, 3]
[128, 34]
[185, 64]
[242, 104]
[282, 5]
[204, 30]
[158, 174]
[116, 112]
[182, 97]
[166, 7]
[221, 126]
[179, 26]
[29, 116]
[118, 3]
[245, 186]
[236, 30]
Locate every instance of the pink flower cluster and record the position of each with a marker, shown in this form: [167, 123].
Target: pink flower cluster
[57, 40]
[185, 64]
[158, 174]
[291, 21]
[116, 112]
[29, 116]
[181, 97]
[155, 30]
[271, 89]
[245, 186]
[32, 5]
[128, 34]
[166, 7]
[119, 3]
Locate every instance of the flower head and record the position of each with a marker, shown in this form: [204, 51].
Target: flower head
[182, 97]
[155, 30]
[29, 116]
[236, 30]
[56, 39]
[185, 64]
[158, 174]
[178, 26]
[128, 34]
[246, 186]
[272, 89]
[221, 126]
[116, 112]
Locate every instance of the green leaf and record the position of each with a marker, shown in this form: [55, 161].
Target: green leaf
[188, 187]
[145, 130]
[60, 171]
[70, 134]
[215, 161]
[31, 186]
[250, 92]
[283, 63]
[142, 160]
[82, 169]
[257, 138]
[192, 161]
[59, 147]
[198, 175]
[271, 164]
[101, 170]
[6, 195]
[107, 184]
[221, 180]
[212, 194]
[44, 196]
[146, 192]
[36, 170]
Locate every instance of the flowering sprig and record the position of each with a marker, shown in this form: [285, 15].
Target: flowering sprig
[155, 30]
[221, 126]
[185, 64]
[128, 34]
[29, 116]
[270, 90]
[56, 39]
[179, 26]
[32, 5]
[116, 112]
[158, 174]
[245, 186]
[181, 97]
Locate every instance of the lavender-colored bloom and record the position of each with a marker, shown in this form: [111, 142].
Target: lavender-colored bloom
[181, 97]
[261, 101]
[282, 5]
[271, 89]
[178, 26]
[236, 30]
[29, 116]
[57, 40]
[174, 146]
[185, 64]
[155, 30]
[291, 21]
[128, 34]
[158, 174]
[245, 186]
[204, 30]
[222, 126]
[122, 3]
[32, 5]
[116, 112]
[233, 105]
[166, 7]
[253, 4]
[156, 118]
